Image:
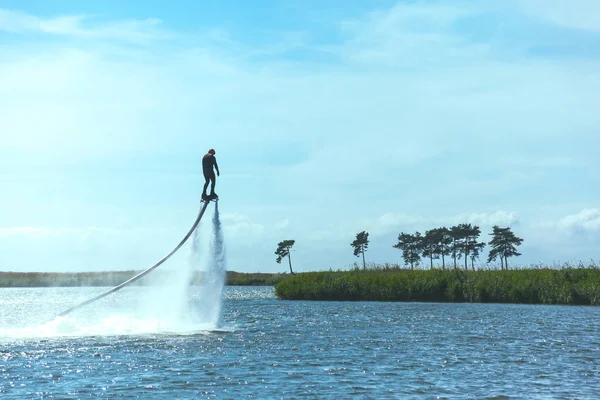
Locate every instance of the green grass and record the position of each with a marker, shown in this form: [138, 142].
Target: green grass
[254, 279]
[538, 285]
[579, 286]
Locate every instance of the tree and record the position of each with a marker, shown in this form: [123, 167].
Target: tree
[431, 245]
[360, 245]
[283, 251]
[445, 244]
[504, 244]
[456, 234]
[411, 246]
[468, 237]
[475, 252]
[417, 248]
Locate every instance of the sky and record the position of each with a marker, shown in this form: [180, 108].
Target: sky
[328, 118]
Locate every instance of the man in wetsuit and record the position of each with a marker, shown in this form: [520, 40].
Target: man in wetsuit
[208, 162]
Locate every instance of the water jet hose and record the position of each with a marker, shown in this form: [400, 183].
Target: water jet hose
[141, 274]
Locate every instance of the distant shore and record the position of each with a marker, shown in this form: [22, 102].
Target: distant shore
[114, 278]
[538, 285]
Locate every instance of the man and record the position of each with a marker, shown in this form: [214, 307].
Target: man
[208, 161]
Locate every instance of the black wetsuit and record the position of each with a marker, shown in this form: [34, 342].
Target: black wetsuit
[208, 162]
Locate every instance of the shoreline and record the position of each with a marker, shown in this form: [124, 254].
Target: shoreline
[534, 285]
[567, 286]
[10, 279]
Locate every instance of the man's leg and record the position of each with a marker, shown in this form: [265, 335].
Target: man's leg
[206, 180]
[213, 181]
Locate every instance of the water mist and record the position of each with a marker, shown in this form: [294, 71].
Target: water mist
[213, 280]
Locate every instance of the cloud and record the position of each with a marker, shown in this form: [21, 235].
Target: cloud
[24, 230]
[282, 224]
[237, 226]
[82, 233]
[395, 222]
[43, 232]
[392, 221]
[408, 34]
[410, 118]
[585, 221]
[500, 217]
[577, 14]
[83, 26]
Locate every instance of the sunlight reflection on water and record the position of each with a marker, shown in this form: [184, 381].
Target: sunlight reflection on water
[268, 348]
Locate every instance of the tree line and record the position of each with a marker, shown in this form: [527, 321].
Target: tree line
[455, 243]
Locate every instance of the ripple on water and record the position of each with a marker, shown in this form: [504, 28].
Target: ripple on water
[267, 348]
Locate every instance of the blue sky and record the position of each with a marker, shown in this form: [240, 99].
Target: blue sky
[327, 118]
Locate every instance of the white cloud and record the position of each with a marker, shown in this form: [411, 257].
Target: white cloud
[241, 227]
[412, 120]
[500, 217]
[82, 26]
[579, 14]
[587, 220]
[42, 232]
[282, 224]
[82, 233]
[23, 230]
[394, 222]
[413, 35]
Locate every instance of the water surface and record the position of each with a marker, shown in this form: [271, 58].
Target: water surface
[266, 348]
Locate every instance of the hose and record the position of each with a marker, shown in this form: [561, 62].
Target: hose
[141, 274]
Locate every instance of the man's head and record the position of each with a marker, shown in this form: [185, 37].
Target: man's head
[212, 151]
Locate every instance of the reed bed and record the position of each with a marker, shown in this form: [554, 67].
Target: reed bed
[571, 285]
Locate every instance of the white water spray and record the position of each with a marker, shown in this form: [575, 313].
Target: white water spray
[183, 307]
[169, 305]
[213, 281]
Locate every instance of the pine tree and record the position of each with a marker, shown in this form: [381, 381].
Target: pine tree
[411, 246]
[456, 234]
[504, 244]
[283, 250]
[360, 244]
[470, 234]
[445, 244]
[475, 252]
[431, 245]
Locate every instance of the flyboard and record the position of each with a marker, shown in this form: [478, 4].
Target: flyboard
[204, 205]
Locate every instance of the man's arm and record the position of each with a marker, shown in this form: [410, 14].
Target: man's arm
[217, 166]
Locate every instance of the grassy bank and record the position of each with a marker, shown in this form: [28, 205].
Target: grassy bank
[114, 278]
[579, 286]
[254, 279]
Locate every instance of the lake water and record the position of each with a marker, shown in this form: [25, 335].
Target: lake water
[136, 344]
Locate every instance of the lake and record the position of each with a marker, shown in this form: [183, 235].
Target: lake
[155, 343]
